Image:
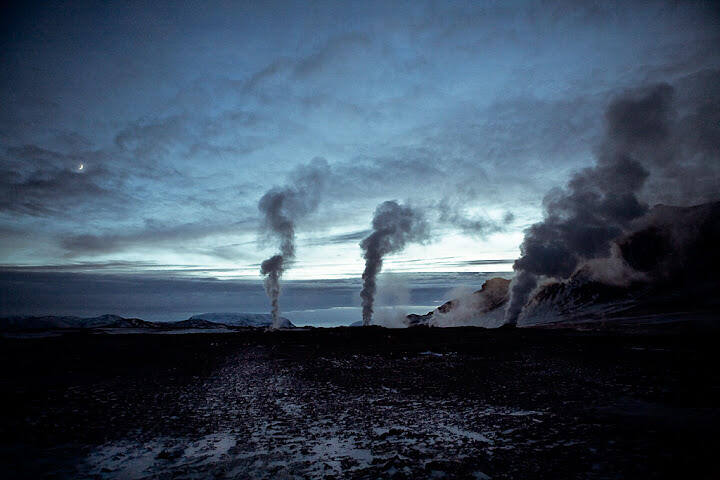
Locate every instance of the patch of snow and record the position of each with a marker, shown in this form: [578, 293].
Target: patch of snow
[524, 413]
[478, 437]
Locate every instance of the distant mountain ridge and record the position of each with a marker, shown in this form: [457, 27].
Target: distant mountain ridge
[53, 322]
[109, 321]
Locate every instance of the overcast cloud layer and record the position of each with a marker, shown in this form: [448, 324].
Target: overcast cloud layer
[146, 134]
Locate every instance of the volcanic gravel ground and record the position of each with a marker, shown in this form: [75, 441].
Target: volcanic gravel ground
[361, 403]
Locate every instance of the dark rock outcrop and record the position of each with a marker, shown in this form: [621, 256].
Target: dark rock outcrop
[666, 267]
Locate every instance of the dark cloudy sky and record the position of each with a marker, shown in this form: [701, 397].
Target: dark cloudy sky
[137, 137]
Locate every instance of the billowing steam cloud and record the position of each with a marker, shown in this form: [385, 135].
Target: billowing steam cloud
[393, 226]
[648, 150]
[281, 207]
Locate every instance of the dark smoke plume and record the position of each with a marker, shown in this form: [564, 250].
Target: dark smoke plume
[281, 207]
[393, 226]
[646, 152]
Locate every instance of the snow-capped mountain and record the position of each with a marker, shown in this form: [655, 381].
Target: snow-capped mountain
[242, 319]
[191, 324]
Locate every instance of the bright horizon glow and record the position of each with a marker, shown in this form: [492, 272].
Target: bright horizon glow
[446, 253]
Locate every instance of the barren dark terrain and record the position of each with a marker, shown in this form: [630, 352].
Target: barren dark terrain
[362, 403]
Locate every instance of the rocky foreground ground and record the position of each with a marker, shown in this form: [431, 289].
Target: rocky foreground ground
[361, 403]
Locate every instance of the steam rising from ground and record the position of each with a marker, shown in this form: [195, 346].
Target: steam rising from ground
[653, 149]
[392, 298]
[393, 226]
[281, 207]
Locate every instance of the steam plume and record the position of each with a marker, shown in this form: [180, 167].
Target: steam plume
[647, 151]
[393, 226]
[451, 211]
[281, 207]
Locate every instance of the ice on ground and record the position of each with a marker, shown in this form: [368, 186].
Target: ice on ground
[138, 460]
[263, 420]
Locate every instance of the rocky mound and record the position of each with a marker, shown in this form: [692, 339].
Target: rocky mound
[482, 308]
[663, 269]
